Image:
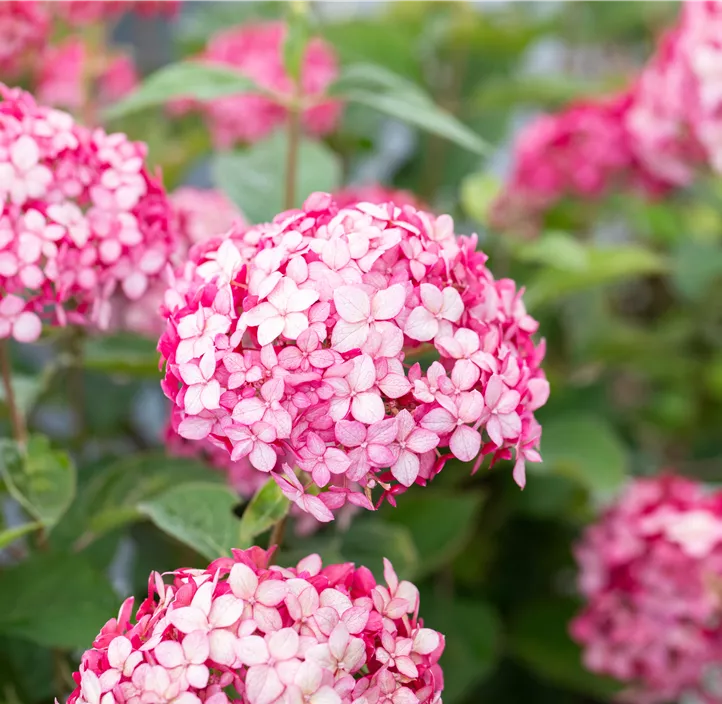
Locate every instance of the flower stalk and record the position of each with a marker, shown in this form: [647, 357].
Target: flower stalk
[17, 420]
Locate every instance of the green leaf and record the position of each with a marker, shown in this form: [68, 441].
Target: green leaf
[267, 507]
[26, 667]
[197, 514]
[604, 266]
[478, 192]
[297, 35]
[111, 498]
[696, 265]
[368, 541]
[41, 479]
[393, 95]
[557, 250]
[122, 353]
[253, 178]
[10, 535]
[440, 525]
[472, 632]
[55, 600]
[186, 79]
[27, 390]
[586, 448]
[538, 637]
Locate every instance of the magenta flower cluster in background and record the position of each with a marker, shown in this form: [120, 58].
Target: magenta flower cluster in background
[654, 136]
[291, 342]
[304, 635]
[255, 51]
[82, 221]
[651, 575]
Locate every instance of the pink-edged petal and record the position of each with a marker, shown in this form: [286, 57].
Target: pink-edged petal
[382, 433]
[195, 647]
[538, 392]
[195, 427]
[421, 325]
[191, 374]
[211, 395]
[267, 618]
[270, 329]
[395, 385]
[438, 420]
[262, 457]
[350, 433]
[263, 311]
[349, 336]
[426, 640]
[283, 644]
[421, 440]
[519, 472]
[313, 505]
[382, 456]
[494, 389]
[27, 327]
[387, 304]
[243, 581]
[431, 298]
[225, 611]
[252, 650]
[118, 652]
[188, 619]
[465, 443]
[222, 647]
[192, 400]
[197, 676]
[352, 304]
[406, 468]
[452, 307]
[508, 402]
[405, 665]
[295, 324]
[471, 406]
[302, 299]
[271, 592]
[367, 407]
[262, 685]
[249, 411]
[510, 424]
[336, 460]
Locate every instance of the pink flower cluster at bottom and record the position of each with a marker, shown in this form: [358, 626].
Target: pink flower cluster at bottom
[245, 632]
[651, 575]
[654, 136]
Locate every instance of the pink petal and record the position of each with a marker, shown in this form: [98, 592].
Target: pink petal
[302, 300]
[271, 592]
[509, 401]
[211, 395]
[283, 644]
[27, 327]
[295, 324]
[363, 374]
[336, 460]
[465, 443]
[270, 329]
[252, 650]
[313, 505]
[387, 304]
[367, 407]
[383, 432]
[422, 440]
[267, 618]
[421, 325]
[118, 652]
[222, 647]
[195, 427]
[406, 468]
[439, 421]
[243, 581]
[352, 304]
[519, 472]
[225, 611]
[188, 619]
[431, 298]
[453, 306]
[257, 315]
[495, 387]
[426, 640]
[350, 433]
[380, 455]
[471, 406]
[262, 457]
[195, 647]
[349, 336]
[249, 411]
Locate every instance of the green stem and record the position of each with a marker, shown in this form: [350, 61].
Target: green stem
[20, 432]
[76, 379]
[294, 139]
[277, 533]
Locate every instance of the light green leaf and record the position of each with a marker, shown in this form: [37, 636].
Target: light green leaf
[55, 600]
[197, 514]
[10, 535]
[586, 448]
[696, 265]
[253, 178]
[298, 34]
[111, 498]
[478, 192]
[557, 250]
[393, 95]
[472, 631]
[41, 479]
[604, 266]
[27, 390]
[440, 524]
[122, 353]
[267, 507]
[186, 79]
[539, 638]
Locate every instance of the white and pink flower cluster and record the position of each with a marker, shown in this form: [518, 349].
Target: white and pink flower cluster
[292, 344]
[82, 220]
[651, 575]
[256, 51]
[655, 136]
[244, 632]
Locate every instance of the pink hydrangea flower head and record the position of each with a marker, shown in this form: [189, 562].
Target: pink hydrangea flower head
[308, 634]
[78, 13]
[83, 222]
[295, 343]
[376, 193]
[650, 573]
[256, 51]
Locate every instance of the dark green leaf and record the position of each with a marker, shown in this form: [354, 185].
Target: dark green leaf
[26, 667]
[267, 507]
[586, 448]
[440, 524]
[393, 95]
[197, 514]
[122, 354]
[696, 266]
[472, 632]
[187, 79]
[41, 479]
[253, 178]
[55, 600]
[540, 639]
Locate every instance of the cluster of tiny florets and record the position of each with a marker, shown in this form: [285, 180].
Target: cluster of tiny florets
[654, 136]
[651, 576]
[295, 344]
[244, 632]
[256, 51]
[82, 223]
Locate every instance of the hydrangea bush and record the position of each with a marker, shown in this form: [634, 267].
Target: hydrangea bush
[427, 285]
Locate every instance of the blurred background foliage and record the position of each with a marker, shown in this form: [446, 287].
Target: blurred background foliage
[628, 293]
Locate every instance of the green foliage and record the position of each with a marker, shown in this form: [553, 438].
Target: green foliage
[267, 507]
[253, 178]
[197, 514]
[122, 354]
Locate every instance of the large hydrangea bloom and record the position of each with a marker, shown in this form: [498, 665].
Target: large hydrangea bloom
[82, 221]
[244, 632]
[650, 573]
[295, 344]
[256, 51]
